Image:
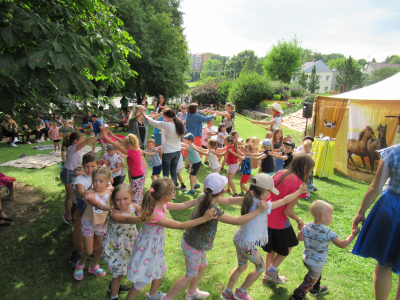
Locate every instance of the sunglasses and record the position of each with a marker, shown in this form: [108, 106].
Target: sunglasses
[183, 107]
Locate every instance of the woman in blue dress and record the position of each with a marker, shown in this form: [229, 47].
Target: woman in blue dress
[380, 234]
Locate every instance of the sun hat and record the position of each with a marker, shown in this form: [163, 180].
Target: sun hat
[267, 143]
[189, 136]
[215, 182]
[276, 106]
[264, 181]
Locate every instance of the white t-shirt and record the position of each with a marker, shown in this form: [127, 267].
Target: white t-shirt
[213, 161]
[221, 136]
[206, 135]
[114, 161]
[180, 163]
[278, 123]
[171, 142]
[85, 180]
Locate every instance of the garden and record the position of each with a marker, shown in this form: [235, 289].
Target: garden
[36, 249]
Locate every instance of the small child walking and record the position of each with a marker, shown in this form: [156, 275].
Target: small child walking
[278, 147]
[245, 169]
[220, 141]
[55, 136]
[255, 142]
[316, 237]
[154, 158]
[307, 149]
[211, 154]
[254, 233]
[194, 160]
[147, 264]
[206, 135]
[115, 164]
[93, 222]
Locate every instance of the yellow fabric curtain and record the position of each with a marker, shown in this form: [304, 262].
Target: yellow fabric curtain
[323, 155]
[329, 115]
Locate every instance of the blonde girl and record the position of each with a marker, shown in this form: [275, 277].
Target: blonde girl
[254, 233]
[211, 155]
[147, 264]
[277, 140]
[93, 222]
[120, 236]
[135, 162]
[196, 241]
[256, 149]
[55, 136]
[74, 143]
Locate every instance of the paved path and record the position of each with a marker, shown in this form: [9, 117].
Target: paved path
[296, 121]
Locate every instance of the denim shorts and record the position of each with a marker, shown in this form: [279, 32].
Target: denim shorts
[67, 176]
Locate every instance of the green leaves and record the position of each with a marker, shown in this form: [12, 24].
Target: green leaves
[38, 59]
[9, 36]
[57, 46]
[6, 64]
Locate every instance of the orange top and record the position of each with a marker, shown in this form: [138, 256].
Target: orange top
[93, 214]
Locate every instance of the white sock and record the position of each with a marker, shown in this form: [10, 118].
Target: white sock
[15, 139]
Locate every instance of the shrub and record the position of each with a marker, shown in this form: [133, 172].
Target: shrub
[206, 93]
[296, 91]
[276, 97]
[223, 91]
[268, 103]
[248, 90]
[278, 87]
[295, 100]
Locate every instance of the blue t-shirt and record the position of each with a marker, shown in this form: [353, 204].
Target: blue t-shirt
[96, 127]
[193, 156]
[156, 130]
[246, 167]
[154, 161]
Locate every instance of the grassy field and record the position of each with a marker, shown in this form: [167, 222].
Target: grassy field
[193, 84]
[35, 251]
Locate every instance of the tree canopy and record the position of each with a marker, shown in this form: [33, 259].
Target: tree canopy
[211, 68]
[313, 84]
[54, 49]
[381, 74]
[349, 74]
[283, 60]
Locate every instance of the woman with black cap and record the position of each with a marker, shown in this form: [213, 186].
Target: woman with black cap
[380, 234]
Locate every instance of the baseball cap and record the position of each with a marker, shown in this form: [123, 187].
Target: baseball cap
[264, 181]
[291, 144]
[189, 136]
[267, 143]
[111, 147]
[215, 182]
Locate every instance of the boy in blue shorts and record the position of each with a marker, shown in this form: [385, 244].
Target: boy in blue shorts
[154, 158]
[194, 160]
[96, 128]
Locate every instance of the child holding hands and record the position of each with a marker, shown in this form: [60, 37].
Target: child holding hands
[316, 237]
[266, 157]
[194, 160]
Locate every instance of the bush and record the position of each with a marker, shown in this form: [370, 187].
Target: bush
[276, 97]
[279, 87]
[268, 103]
[248, 90]
[223, 91]
[295, 100]
[206, 93]
[296, 91]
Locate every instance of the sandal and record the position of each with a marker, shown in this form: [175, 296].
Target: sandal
[5, 223]
[6, 219]
[97, 271]
[78, 273]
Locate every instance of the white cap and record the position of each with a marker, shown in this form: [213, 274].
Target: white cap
[264, 181]
[267, 143]
[215, 182]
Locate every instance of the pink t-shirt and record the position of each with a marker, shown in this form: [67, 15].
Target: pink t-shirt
[277, 218]
[134, 163]
[161, 214]
[53, 132]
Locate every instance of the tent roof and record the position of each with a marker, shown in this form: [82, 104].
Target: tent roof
[387, 89]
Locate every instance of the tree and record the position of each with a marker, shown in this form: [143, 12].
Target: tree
[206, 93]
[54, 49]
[250, 64]
[395, 59]
[335, 63]
[158, 31]
[381, 74]
[362, 62]
[283, 60]
[328, 57]
[223, 91]
[303, 81]
[313, 85]
[223, 59]
[211, 68]
[349, 74]
[236, 63]
[248, 90]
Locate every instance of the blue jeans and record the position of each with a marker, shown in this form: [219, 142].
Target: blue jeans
[278, 165]
[169, 164]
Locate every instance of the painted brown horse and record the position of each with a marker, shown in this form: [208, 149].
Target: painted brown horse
[376, 144]
[359, 147]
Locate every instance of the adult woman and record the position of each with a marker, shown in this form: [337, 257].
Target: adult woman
[380, 234]
[138, 126]
[28, 132]
[194, 123]
[276, 120]
[228, 117]
[172, 130]
[10, 129]
[160, 104]
[145, 104]
[124, 104]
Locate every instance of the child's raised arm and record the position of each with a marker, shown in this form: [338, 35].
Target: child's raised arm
[346, 242]
[289, 198]
[188, 224]
[201, 150]
[115, 144]
[261, 207]
[97, 204]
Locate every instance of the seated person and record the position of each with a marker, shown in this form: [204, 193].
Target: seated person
[121, 120]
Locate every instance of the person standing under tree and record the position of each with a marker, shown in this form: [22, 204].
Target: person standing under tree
[124, 104]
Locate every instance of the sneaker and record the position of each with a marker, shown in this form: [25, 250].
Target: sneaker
[227, 296]
[68, 221]
[183, 187]
[28, 143]
[274, 277]
[196, 186]
[307, 198]
[197, 295]
[241, 194]
[16, 140]
[157, 296]
[323, 289]
[313, 189]
[13, 145]
[42, 139]
[206, 163]
[122, 288]
[235, 195]
[191, 192]
[241, 296]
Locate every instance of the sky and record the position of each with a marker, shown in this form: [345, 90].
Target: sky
[362, 29]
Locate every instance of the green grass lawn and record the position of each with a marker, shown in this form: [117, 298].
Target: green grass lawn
[35, 257]
[193, 84]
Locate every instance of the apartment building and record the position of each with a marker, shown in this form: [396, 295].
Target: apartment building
[197, 60]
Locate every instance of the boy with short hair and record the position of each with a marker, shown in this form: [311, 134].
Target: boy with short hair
[316, 239]
[288, 151]
[154, 158]
[194, 160]
[96, 127]
[115, 164]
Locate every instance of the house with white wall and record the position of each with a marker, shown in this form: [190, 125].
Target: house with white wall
[373, 66]
[326, 76]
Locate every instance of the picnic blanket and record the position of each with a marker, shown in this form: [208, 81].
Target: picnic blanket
[43, 148]
[40, 161]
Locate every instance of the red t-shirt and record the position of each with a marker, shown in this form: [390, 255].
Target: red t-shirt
[230, 158]
[134, 163]
[277, 218]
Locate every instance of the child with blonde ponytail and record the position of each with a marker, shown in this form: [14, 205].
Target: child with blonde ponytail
[147, 264]
[136, 174]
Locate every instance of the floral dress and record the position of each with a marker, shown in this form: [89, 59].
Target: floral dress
[148, 258]
[118, 244]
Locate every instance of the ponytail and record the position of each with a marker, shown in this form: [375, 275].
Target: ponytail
[204, 205]
[69, 139]
[179, 127]
[233, 141]
[248, 198]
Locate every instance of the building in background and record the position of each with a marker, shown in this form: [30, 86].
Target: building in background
[373, 66]
[197, 60]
